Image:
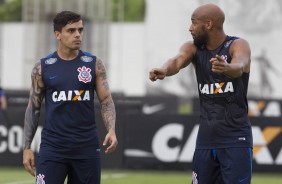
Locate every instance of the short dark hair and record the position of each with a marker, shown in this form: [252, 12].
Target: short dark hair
[63, 18]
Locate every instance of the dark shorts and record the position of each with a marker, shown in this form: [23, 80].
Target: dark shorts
[222, 166]
[51, 170]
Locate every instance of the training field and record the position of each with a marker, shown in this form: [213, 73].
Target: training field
[19, 176]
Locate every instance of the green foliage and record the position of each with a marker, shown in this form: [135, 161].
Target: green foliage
[10, 10]
[128, 10]
[122, 10]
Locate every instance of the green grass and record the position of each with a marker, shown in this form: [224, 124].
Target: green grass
[19, 176]
[145, 177]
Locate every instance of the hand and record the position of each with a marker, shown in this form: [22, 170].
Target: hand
[157, 73]
[28, 161]
[110, 138]
[218, 64]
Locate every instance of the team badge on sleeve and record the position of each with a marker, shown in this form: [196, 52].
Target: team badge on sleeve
[50, 61]
[84, 74]
[86, 59]
[40, 179]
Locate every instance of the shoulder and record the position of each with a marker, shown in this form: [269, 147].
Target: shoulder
[99, 63]
[36, 69]
[240, 51]
[188, 50]
[237, 42]
[189, 45]
[49, 59]
[240, 45]
[100, 67]
[87, 56]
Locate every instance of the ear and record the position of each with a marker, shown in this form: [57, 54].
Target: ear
[209, 24]
[57, 35]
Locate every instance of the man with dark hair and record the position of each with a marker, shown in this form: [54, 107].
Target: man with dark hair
[222, 63]
[68, 79]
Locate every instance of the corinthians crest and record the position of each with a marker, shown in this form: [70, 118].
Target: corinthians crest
[84, 74]
[40, 179]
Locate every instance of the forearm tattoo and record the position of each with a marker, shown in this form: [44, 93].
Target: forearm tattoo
[32, 113]
[107, 104]
[108, 113]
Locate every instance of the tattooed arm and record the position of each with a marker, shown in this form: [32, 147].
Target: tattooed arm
[107, 106]
[32, 117]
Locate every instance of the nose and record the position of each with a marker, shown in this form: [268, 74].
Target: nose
[77, 33]
[190, 28]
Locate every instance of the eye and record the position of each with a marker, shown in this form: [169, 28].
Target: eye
[71, 30]
[194, 22]
[80, 30]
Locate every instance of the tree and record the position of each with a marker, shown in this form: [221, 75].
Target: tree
[122, 10]
[10, 10]
[128, 10]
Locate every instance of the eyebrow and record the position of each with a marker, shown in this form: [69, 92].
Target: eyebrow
[72, 28]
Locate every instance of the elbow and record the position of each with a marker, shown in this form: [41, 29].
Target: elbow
[240, 71]
[236, 72]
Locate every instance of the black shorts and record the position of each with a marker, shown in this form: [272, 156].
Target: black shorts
[222, 166]
[54, 170]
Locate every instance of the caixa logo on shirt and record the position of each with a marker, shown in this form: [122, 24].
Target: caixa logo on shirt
[71, 95]
[222, 87]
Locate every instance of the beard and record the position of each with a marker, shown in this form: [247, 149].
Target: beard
[201, 39]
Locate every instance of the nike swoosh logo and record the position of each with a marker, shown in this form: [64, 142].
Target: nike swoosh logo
[147, 109]
[241, 180]
[52, 77]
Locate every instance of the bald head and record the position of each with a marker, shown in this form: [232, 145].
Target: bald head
[210, 12]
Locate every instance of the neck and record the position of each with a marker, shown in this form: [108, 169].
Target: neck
[67, 54]
[215, 41]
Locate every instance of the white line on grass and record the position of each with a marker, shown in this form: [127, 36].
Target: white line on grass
[115, 176]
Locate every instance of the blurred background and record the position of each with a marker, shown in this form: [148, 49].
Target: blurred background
[131, 37]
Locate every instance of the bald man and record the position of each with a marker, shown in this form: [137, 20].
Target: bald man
[223, 153]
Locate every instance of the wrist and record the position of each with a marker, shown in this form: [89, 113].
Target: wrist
[165, 71]
[27, 146]
[111, 130]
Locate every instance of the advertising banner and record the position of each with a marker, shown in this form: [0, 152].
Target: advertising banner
[168, 142]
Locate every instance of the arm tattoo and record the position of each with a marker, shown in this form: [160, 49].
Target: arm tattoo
[32, 113]
[107, 105]
[103, 75]
[108, 113]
